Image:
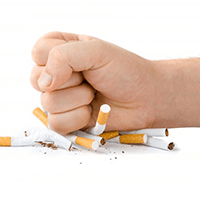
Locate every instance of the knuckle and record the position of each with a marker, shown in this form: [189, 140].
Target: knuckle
[100, 44]
[86, 115]
[48, 101]
[57, 55]
[89, 93]
[36, 54]
[33, 79]
[54, 122]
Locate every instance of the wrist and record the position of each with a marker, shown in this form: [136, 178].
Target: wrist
[177, 93]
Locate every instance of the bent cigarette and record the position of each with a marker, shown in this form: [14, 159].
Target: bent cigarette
[109, 135]
[42, 135]
[130, 139]
[100, 140]
[41, 116]
[19, 141]
[157, 132]
[101, 120]
[160, 144]
[84, 142]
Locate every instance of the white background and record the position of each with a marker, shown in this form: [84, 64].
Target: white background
[152, 29]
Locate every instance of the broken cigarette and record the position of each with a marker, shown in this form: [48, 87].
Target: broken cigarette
[92, 144]
[130, 139]
[19, 141]
[101, 120]
[109, 135]
[157, 132]
[84, 142]
[161, 144]
[35, 136]
[100, 140]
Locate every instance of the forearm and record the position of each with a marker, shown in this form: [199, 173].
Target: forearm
[178, 93]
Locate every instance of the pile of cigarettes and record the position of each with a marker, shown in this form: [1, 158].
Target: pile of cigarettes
[91, 138]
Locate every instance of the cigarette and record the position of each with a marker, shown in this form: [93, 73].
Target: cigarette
[84, 142]
[158, 132]
[130, 139]
[78, 140]
[101, 120]
[109, 135]
[41, 116]
[160, 144]
[100, 140]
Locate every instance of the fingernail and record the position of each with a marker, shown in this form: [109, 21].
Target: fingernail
[44, 80]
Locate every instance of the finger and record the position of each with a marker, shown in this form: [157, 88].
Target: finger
[67, 99]
[72, 120]
[50, 40]
[75, 79]
[65, 59]
[35, 74]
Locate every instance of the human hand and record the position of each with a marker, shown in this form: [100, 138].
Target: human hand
[77, 74]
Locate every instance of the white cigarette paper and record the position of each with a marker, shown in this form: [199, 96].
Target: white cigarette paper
[160, 144]
[101, 120]
[157, 132]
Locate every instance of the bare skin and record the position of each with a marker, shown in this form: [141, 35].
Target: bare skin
[77, 74]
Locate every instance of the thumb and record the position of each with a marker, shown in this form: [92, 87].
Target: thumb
[64, 59]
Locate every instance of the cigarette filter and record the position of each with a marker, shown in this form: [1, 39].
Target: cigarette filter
[109, 135]
[101, 120]
[130, 139]
[157, 132]
[85, 142]
[5, 141]
[100, 140]
[160, 144]
[41, 116]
